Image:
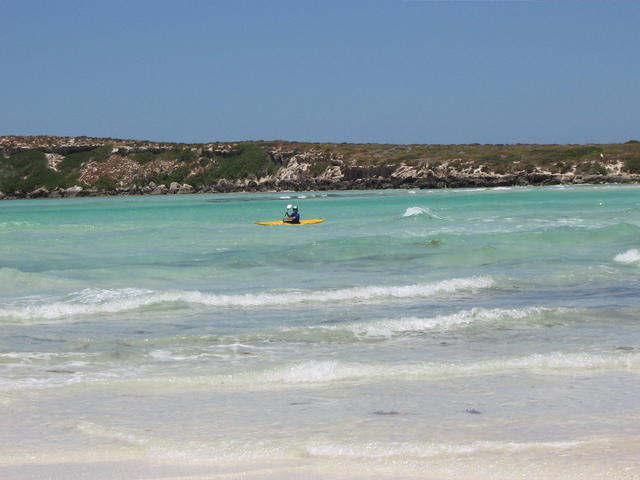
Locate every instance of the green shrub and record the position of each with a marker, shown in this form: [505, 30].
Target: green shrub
[143, 157]
[579, 152]
[105, 183]
[184, 155]
[318, 168]
[632, 164]
[181, 155]
[405, 157]
[26, 171]
[250, 159]
[550, 155]
[74, 161]
[591, 168]
[178, 175]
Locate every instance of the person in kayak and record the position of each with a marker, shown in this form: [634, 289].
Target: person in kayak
[293, 217]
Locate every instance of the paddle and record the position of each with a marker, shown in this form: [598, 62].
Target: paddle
[286, 212]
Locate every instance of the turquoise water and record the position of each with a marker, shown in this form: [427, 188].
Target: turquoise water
[446, 334]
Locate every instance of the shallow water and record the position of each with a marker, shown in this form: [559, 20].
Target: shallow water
[446, 334]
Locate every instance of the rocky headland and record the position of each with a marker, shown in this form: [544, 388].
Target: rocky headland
[55, 167]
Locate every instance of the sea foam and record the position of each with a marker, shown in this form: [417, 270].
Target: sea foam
[630, 256]
[325, 372]
[398, 326]
[222, 449]
[413, 211]
[99, 301]
[427, 450]
[332, 371]
[387, 328]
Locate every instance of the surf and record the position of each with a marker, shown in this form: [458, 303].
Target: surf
[414, 211]
[101, 301]
[325, 373]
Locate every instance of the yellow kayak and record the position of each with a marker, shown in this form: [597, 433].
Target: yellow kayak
[310, 221]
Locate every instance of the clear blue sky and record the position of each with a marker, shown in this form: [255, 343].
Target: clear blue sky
[389, 71]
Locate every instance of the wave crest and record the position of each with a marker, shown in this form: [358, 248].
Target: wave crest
[98, 301]
[630, 256]
[413, 211]
[319, 373]
[398, 326]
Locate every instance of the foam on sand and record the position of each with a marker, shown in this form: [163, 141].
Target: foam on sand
[427, 450]
[221, 450]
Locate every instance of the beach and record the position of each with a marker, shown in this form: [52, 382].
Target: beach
[450, 334]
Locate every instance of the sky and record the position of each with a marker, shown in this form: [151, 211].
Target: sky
[374, 71]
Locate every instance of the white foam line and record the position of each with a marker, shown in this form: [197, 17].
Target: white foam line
[256, 449]
[324, 372]
[426, 450]
[395, 326]
[321, 373]
[93, 302]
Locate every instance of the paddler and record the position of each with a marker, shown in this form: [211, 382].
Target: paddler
[293, 217]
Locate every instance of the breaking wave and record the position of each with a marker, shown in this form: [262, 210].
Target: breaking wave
[413, 211]
[321, 373]
[330, 371]
[630, 256]
[406, 325]
[98, 301]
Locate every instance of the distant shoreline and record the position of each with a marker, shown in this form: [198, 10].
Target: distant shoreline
[58, 194]
[67, 167]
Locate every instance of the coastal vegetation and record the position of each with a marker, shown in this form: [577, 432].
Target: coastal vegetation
[632, 164]
[25, 171]
[71, 163]
[249, 160]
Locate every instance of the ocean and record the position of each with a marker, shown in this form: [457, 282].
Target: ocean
[468, 334]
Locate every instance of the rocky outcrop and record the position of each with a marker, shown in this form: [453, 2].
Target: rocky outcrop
[73, 191]
[185, 188]
[353, 183]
